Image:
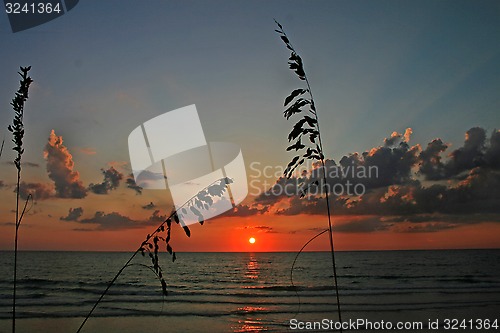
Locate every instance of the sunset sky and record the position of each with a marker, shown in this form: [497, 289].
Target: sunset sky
[412, 87]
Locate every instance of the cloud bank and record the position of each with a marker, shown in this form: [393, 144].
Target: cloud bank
[414, 189]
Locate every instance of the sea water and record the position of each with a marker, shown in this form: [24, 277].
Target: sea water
[252, 292]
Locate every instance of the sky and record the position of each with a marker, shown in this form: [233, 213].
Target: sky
[408, 87]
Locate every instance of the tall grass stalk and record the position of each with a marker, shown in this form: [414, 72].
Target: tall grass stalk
[202, 200]
[17, 129]
[1, 148]
[307, 128]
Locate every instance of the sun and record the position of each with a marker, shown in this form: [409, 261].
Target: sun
[251, 240]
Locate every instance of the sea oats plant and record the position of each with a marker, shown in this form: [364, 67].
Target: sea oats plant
[203, 200]
[17, 129]
[1, 148]
[306, 136]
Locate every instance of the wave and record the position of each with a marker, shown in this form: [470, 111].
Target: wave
[238, 309]
[217, 286]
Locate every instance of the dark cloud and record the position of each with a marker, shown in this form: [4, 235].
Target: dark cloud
[111, 181]
[100, 188]
[110, 221]
[132, 185]
[492, 154]
[150, 205]
[431, 165]
[470, 155]
[394, 164]
[355, 173]
[117, 221]
[295, 206]
[73, 215]
[156, 218]
[244, 210]
[39, 191]
[410, 183]
[60, 169]
[478, 194]
[281, 189]
[475, 152]
[265, 229]
[259, 228]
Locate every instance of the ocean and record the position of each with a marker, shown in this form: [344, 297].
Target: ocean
[252, 292]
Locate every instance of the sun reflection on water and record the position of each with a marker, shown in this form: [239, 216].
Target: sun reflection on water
[251, 321]
[250, 325]
[252, 271]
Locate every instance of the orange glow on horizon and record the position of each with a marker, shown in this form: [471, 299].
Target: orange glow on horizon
[283, 233]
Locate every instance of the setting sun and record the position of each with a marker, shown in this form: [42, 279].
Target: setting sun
[251, 240]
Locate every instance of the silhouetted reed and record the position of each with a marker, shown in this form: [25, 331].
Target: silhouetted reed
[204, 199]
[306, 136]
[17, 129]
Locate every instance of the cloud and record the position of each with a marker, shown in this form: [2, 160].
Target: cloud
[25, 164]
[369, 224]
[60, 169]
[132, 185]
[411, 183]
[263, 228]
[110, 221]
[39, 191]
[148, 179]
[117, 221]
[259, 228]
[73, 215]
[150, 205]
[470, 155]
[378, 167]
[245, 210]
[156, 218]
[88, 151]
[492, 154]
[431, 165]
[393, 162]
[407, 135]
[477, 194]
[111, 181]
[397, 138]
[475, 152]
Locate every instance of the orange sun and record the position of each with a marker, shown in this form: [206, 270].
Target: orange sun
[251, 240]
